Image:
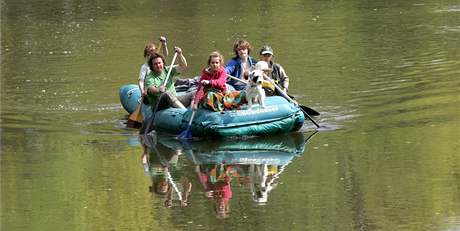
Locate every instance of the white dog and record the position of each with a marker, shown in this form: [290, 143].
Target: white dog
[254, 91]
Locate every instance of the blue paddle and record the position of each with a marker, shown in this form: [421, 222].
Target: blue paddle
[187, 133]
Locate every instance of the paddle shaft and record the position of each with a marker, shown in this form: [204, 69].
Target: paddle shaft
[191, 119]
[282, 94]
[169, 71]
[237, 79]
[193, 115]
[187, 133]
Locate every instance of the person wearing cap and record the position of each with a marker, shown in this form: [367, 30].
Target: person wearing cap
[241, 64]
[278, 74]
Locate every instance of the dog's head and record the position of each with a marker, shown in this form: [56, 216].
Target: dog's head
[256, 77]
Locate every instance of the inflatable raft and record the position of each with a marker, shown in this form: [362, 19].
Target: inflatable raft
[278, 116]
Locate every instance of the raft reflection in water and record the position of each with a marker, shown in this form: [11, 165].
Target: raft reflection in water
[253, 163]
[162, 166]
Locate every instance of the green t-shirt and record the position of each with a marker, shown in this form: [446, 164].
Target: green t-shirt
[156, 80]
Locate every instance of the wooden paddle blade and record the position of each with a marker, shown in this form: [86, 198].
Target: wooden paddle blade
[136, 118]
[137, 115]
[309, 111]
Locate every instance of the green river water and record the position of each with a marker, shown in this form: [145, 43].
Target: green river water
[385, 76]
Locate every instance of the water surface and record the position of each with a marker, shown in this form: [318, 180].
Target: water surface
[384, 75]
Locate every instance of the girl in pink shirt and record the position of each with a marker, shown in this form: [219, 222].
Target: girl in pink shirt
[211, 86]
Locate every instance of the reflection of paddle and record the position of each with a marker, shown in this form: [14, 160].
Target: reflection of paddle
[305, 109]
[136, 118]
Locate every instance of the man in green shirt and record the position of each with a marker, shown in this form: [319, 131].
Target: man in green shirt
[160, 96]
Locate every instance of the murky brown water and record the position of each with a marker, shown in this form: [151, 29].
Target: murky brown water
[384, 75]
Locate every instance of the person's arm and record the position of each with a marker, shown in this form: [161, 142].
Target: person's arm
[141, 87]
[198, 94]
[230, 67]
[142, 76]
[151, 88]
[164, 45]
[182, 61]
[284, 79]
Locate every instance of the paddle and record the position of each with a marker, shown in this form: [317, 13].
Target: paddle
[292, 101]
[170, 179]
[163, 85]
[304, 109]
[136, 118]
[187, 133]
[310, 111]
[170, 69]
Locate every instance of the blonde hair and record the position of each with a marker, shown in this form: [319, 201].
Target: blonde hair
[218, 55]
[149, 49]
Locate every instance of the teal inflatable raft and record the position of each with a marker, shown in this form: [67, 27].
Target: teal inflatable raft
[273, 150]
[279, 116]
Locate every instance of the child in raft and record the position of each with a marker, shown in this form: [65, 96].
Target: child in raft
[212, 89]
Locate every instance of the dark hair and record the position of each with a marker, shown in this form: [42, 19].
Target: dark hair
[242, 43]
[149, 49]
[154, 56]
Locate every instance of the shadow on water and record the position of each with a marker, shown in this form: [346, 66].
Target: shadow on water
[215, 169]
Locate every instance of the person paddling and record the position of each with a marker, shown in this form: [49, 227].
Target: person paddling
[163, 95]
[276, 71]
[149, 49]
[211, 86]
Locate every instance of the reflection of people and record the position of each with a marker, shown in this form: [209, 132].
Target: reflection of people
[149, 49]
[161, 95]
[182, 189]
[262, 179]
[240, 65]
[159, 166]
[215, 179]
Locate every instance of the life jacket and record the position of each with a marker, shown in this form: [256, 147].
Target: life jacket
[276, 72]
